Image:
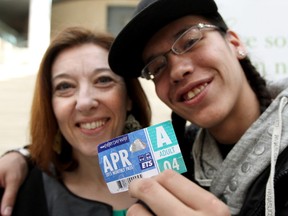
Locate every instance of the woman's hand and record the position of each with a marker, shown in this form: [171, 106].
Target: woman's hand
[170, 194]
[13, 171]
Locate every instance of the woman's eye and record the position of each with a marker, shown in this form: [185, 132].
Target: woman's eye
[63, 86]
[104, 79]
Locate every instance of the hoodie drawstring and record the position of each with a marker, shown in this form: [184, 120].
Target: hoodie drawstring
[275, 145]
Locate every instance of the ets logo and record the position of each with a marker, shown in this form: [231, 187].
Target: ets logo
[145, 161]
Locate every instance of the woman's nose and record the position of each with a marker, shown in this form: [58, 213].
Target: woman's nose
[86, 101]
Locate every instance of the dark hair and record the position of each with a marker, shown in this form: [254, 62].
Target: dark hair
[43, 123]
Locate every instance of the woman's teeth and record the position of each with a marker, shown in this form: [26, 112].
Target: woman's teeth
[92, 125]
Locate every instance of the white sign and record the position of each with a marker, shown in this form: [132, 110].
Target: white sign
[262, 26]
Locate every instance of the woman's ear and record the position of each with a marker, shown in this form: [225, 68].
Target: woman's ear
[129, 104]
[236, 44]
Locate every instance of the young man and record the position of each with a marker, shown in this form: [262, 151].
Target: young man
[202, 72]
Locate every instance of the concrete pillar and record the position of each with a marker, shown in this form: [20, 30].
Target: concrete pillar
[39, 28]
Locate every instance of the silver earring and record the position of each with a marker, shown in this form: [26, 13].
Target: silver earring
[131, 124]
[242, 53]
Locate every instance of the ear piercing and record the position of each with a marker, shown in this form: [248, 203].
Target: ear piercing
[241, 53]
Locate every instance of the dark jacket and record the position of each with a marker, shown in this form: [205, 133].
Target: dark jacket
[31, 202]
[31, 198]
[254, 204]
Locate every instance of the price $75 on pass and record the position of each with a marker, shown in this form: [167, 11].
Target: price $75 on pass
[140, 154]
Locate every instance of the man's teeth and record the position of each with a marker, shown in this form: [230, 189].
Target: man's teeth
[92, 125]
[191, 94]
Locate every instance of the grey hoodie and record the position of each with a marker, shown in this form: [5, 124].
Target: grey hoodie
[260, 145]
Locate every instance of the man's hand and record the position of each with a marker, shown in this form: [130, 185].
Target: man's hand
[170, 194]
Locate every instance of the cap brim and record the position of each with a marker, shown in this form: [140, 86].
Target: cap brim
[125, 57]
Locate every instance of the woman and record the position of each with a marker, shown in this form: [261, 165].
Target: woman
[78, 104]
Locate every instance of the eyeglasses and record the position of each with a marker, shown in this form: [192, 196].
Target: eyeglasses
[182, 44]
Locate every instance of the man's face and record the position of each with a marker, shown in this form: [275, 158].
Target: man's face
[206, 85]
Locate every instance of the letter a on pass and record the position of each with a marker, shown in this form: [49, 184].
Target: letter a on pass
[162, 137]
[107, 165]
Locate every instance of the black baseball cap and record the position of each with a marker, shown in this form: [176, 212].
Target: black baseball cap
[125, 56]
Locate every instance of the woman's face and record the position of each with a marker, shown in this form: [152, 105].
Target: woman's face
[205, 85]
[89, 100]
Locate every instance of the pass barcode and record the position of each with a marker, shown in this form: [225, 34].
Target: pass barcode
[123, 183]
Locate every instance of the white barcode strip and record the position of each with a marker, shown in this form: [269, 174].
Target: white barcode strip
[123, 183]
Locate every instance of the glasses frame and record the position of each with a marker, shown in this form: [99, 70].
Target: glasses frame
[145, 73]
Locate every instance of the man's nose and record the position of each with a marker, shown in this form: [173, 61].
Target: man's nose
[179, 67]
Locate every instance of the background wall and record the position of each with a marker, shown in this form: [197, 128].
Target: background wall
[90, 13]
[261, 24]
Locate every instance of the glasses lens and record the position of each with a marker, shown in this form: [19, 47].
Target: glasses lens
[154, 68]
[183, 44]
[187, 40]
